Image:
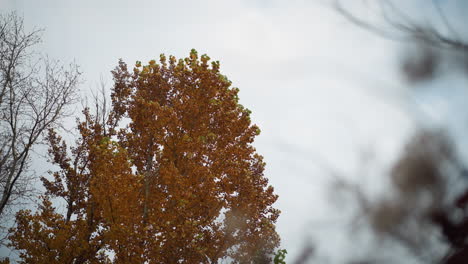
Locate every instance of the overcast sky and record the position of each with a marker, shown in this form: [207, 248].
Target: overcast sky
[323, 91]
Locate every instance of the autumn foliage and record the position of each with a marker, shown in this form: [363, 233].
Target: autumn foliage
[169, 175]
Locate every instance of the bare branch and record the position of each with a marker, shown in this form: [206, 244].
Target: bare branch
[34, 95]
[404, 29]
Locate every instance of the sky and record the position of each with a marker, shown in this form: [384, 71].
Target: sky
[326, 94]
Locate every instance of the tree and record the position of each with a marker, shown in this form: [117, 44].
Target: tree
[34, 94]
[429, 203]
[181, 182]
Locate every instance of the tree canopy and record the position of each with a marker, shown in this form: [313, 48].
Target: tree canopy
[168, 175]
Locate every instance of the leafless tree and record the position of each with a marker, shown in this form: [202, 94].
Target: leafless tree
[34, 94]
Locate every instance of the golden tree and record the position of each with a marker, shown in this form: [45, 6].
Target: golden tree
[180, 182]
